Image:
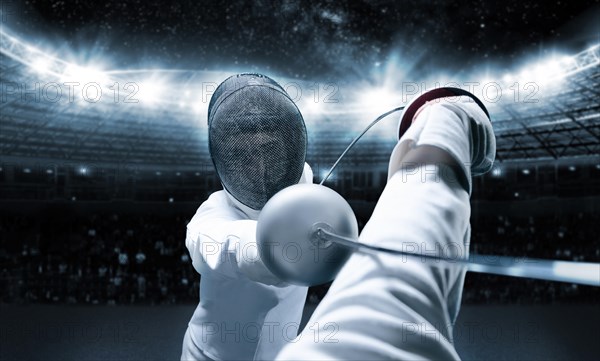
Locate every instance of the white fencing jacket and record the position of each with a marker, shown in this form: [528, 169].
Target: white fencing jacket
[245, 312]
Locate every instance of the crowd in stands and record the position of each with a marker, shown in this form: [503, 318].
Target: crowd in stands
[103, 258]
[569, 237]
[112, 258]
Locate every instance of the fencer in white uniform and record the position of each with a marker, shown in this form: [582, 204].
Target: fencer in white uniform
[389, 307]
[257, 141]
[244, 312]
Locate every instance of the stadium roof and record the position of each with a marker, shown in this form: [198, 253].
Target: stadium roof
[158, 117]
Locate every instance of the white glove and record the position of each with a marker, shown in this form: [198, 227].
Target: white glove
[446, 123]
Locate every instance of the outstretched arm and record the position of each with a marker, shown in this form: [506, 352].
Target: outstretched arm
[220, 240]
[389, 307]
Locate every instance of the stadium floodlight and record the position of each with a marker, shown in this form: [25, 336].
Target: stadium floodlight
[567, 60]
[525, 171]
[378, 99]
[552, 67]
[539, 72]
[496, 172]
[42, 65]
[151, 91]
[548, 71]
[570, 65]
[526, 75]
[369, 99]
[558, 68]
[83, 75]
[310, 105]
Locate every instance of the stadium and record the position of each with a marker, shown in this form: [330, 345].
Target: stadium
[102, 168]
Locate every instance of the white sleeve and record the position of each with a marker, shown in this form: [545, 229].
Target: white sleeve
[390, 307]
[219, 239]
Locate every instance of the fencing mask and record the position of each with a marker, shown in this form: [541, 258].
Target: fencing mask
[256, 137]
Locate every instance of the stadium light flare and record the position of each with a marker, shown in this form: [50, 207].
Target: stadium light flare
[539, 72]
[379, 99]
[168, 92]
[567, 60]
[83, 75]
[526, 75]
[552, 67]
[311, 106]
[41, 65]
[151, 91]
[557, 68]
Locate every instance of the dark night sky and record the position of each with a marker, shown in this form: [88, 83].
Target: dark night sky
[309, 39]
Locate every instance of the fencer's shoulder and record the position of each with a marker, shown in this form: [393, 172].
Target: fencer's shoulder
[218, 206]
[216, 199]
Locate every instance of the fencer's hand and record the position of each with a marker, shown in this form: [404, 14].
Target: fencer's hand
[456, 125]
[254, 268]
[482, 140]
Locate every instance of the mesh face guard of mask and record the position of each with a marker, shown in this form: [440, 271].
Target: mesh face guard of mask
[257, 138]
